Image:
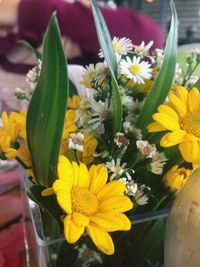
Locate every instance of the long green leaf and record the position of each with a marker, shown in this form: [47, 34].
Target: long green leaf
[109, 55]
[46, 113]
[165, 77]
[197, 84]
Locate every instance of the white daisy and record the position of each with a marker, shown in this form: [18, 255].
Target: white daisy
[116, 168]
[88, 75]
[142, 50]
[100, 113]
[121, 46]
[135, 70]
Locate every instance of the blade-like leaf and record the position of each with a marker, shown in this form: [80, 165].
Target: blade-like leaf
[109, 55]
[165, 77]
[197, 84]
[37, 54]
[46, 113]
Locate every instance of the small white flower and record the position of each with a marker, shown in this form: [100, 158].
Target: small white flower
[102, 72]
[146, 149]
[116, 168]
[76, 141]
[159, 55]
[135, 69]
[142, 50]
[121, 141]
[100, 113]
[121, 46]
[136, 191]
[88, 75]
[158, 162]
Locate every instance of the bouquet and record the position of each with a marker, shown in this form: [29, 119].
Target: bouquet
[98, 163]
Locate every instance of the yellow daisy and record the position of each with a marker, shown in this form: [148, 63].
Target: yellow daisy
[69, 125]
[89, 147]
[176, 177]
[20, 119]
[181, 117]
[8, 137]
[74, 102]
[90, 203]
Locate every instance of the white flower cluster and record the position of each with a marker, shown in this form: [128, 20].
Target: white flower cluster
[76, 141]
[136, 191]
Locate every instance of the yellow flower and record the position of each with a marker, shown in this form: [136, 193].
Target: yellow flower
[176, 177]
[8, 137]
[181, 117]
[20, 119]
[89, 147]
[90, 203]
[69, 125]
[74, 102]
[24, 155]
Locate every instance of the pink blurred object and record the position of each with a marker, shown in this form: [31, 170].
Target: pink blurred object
[8, 178]
[10, 208]
[11, 246]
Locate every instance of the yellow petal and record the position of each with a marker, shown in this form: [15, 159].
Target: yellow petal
[168, 111]
[65, 171]
[155, 127]
[166, 121]
[80, 219]
[111, 189]
[72, 232]
[125, 220]
[48, 192]
[116, 204]
[172, 139]
[189, 150]
[193, 100]
[99, 179]
[83, 179]
[75, 172]
[177, 104]
[108, 222]
[64, 201]
[5, 120]
[101, 239]
[11, 153]
[182, 93]
[60, 185]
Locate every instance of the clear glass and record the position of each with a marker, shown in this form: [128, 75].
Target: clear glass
[55, 252]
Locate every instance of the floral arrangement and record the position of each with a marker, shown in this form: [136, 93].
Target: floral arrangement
[125, 149]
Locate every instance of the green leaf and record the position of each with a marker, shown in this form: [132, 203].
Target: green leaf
[37, 54]
[50, 204]
[197, 84]
[46, 113]
[109, 55]
[163, 82]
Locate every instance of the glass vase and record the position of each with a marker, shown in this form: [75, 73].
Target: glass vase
[143, 246]
[183, 227]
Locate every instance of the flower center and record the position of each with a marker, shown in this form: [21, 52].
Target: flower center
[135, 69]
[117, 47]
[84, 201]
[191, 124]
[118, 168]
